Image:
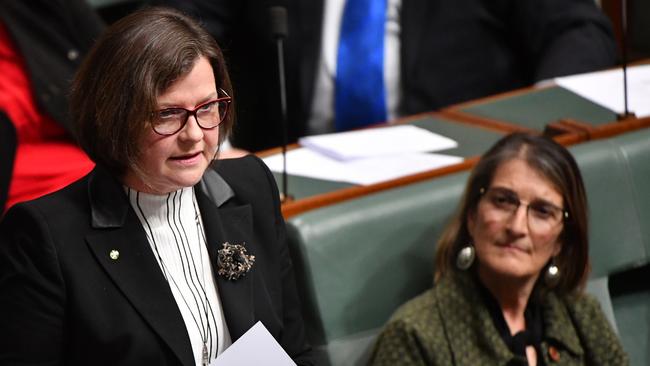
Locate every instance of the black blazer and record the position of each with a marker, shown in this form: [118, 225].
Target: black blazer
[63, 300]
[451, 51]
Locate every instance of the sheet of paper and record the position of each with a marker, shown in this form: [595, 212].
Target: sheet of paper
[377, 142]
[308, 163]
[256, 347]
[606, 88]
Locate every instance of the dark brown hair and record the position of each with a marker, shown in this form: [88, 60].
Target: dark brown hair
[133, 62]
[554, 163]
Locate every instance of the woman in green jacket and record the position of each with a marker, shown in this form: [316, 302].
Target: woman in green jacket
[510, 272]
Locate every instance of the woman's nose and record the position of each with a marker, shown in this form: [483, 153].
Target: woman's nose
[191, 131]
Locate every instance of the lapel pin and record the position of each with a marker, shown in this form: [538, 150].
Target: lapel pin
[554, 354]
[234, 261]
[114, 254]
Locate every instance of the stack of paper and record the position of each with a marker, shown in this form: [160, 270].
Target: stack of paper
[606, 88]
[367, 156]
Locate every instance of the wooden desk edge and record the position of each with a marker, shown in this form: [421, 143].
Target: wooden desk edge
[294, 208]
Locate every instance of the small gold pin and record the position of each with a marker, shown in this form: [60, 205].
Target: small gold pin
[114, 254]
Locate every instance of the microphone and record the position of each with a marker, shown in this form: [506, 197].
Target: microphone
[279, 24]
[626, 113]
[280, 31]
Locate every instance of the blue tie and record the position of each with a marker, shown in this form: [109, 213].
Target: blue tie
[359, 94]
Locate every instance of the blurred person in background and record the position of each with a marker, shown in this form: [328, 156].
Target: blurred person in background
[42, 43]
[358, 62]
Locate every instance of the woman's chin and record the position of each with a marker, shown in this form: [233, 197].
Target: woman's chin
[510, 269]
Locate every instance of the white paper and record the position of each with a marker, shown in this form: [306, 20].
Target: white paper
[308, 163]
[377, 142]
[256, 347]
[606, 88]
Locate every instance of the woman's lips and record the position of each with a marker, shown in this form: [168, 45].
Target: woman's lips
[187, 159]
[512, 246]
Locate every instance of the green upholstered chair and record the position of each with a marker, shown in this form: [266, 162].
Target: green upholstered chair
[631, 291]
[635, 150]
[615, 229]
[616, 173]
[357, 261]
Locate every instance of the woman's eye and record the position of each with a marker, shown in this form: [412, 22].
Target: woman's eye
[543, 211]
[170, 113]
[503, 200]
[206, 107]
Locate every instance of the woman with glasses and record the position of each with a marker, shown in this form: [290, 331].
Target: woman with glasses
[510, 272]
[162, 255]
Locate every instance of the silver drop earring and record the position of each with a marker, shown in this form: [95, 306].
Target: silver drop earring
[552, 274]
[465, 257]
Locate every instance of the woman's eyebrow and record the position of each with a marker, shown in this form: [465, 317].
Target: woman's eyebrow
[212, 96]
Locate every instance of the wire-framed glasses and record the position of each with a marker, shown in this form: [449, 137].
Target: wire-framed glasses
[542, 216]
[208, 115]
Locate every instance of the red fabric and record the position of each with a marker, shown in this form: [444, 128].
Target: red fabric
[46, 159]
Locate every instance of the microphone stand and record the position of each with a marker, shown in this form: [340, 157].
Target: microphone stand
[280, 30]
[626, 113]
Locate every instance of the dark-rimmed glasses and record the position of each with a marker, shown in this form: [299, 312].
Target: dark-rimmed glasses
[208, 115]
[542, 216]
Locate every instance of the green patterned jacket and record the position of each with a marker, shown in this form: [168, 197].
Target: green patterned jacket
[450, 325]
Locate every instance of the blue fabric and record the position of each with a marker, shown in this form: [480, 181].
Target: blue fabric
[360, 96]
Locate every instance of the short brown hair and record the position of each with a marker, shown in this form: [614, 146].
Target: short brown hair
[556, 164]
[133, 62]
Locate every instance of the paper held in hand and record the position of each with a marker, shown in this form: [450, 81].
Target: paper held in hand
[256, 347]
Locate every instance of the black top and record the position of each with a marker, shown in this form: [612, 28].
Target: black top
[531, 336]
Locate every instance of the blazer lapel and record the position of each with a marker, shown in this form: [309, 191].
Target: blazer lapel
[121, 247]
[225, 221]
[560, 327]
[469, 326]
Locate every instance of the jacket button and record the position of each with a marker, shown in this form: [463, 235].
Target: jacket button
[114, 254]
[553, 354]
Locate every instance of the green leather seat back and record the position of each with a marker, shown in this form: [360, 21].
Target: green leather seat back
[632, 312]
[631, 292]
[635, 149]
[617, 173]
[615, 237]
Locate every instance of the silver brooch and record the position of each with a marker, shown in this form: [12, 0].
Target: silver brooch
[233, 261]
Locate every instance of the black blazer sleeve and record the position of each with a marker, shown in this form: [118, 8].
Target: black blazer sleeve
[32, 292]
[562, 37]
[294, 336]
[254, 184]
